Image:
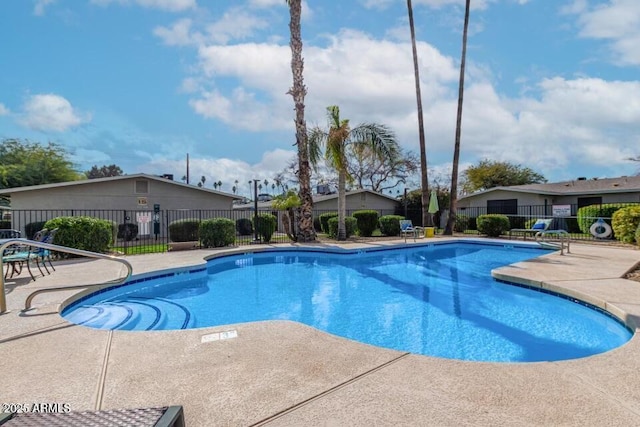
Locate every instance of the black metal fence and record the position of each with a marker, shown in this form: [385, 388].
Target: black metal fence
[153, 227]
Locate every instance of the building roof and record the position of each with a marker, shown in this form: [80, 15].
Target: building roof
[623, 184]
[318, 198]
[10, 191]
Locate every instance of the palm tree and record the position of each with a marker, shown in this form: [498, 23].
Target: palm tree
[456, 150]
[379, 139]
[220, 184]
[234, 189]
[427, 219]
[306, 231]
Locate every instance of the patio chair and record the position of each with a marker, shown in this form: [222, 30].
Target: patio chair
[167, 416]
[539, 225]
[18, 256]
[407, 227]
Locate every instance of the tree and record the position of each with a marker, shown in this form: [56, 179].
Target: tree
[380, 174]
[306, 231]
[24, 163]
[456, 149]
[490, 173]
[103, 171]
[377, 138]
[287, 202]
[203, 179]
[427, 219]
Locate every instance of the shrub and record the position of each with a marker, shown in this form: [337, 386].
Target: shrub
[4, 224]
[217, 232]
[350, 225]
[517, 221]
[587, 215]
[265, 225]
[390, 225]
[367, 221]
[316, 224]
[244, 226]
[32, 228]
[82, 232]
[184, 230]
[638, 235]
[625, 223]
[324, 219]
[493, 225]
[461, 224]
[127, 231]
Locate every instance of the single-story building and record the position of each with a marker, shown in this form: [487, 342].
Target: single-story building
[356, 200]
[130, 198]
[543, 199]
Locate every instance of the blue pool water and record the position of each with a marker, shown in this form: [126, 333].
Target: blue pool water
[437, 300]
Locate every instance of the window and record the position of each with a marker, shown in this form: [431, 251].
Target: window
[142, 187]
[505, 207]
[588, 201]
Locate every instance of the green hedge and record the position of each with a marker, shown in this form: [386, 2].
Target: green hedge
[493, 225]
[587, 215]
[625, 223]
[127, 231]
[390, 224]
[367, 221]
[324, 221]
[265, 224]
[184, 230]
[244, 226]
[82, 232]
[32, 228]
[461, 224]
[350, 225]
[217, 232]
[5, 224]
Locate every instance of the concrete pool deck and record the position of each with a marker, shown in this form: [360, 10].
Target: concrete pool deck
[282, 373]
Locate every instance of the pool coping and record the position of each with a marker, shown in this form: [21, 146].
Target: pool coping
[324, 379]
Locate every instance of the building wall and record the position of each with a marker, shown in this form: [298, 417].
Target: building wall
[120, 194]
[358, 201]
[480, 201]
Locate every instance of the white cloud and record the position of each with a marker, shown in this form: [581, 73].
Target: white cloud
[3, 110]
[179, 34]
[617, 21]
[40, 6]
[167, 5]
[50, 112]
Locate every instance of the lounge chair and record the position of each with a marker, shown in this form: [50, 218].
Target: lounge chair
[168, 416]
[539, 225]
[18, 256]
[407, 227]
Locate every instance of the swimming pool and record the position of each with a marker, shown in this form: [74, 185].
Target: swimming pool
[437, 300]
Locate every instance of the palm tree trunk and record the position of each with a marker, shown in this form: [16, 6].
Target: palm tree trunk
[427, 219]
[456, 150]
[342, 205]
[305, 232]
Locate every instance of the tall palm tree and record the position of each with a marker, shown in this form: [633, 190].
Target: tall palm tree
[456, 150]
[379, 139]
[306, 231]
[427, 219]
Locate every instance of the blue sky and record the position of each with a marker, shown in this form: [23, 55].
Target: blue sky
[551, 85]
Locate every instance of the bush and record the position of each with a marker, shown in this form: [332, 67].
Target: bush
[265, 225]
[244, 226]
[350, 225]
[32, 228]
[493, 225]
[127, 231]
[638, 235]
[587, 215]
[316, 224]
[324, 221]
[217, 232]
[461, 224]
[82, 232]
[390, 224]
[625, 223]
[5, 224]
[518, 221]
[367, 221]
[184, 230]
